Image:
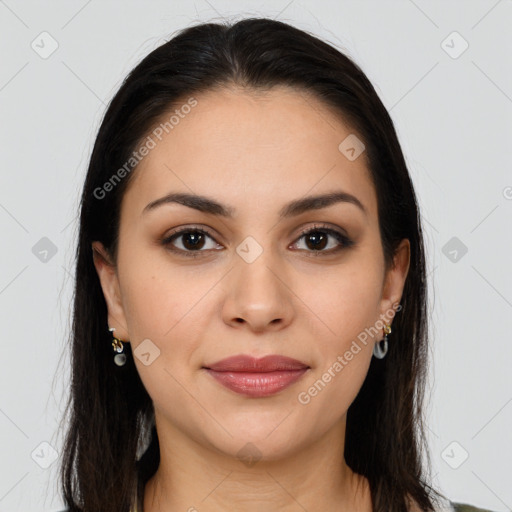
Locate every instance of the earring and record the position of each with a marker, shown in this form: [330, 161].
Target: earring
[378, 351]
[117, 345]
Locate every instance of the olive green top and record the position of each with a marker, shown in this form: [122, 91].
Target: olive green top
[464, 507]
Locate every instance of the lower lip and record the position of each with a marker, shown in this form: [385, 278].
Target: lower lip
[257, 384]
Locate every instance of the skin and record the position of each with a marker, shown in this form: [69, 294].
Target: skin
[254, 152]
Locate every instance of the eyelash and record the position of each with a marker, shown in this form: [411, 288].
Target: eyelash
[344, 240]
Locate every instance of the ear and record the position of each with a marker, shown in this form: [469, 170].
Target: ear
[395, 279]
[107, 273]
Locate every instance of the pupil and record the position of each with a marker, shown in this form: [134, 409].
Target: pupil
[317, 244]
[196, 240]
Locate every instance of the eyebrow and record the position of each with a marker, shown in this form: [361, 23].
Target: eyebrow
[208, 205]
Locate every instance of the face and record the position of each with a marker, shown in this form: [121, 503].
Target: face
[252, 282]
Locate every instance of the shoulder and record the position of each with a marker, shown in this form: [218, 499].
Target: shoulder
[464, 507]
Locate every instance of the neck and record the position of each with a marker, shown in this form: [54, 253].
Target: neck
[192, 476]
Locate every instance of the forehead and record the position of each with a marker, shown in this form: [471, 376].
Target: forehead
[251, 147]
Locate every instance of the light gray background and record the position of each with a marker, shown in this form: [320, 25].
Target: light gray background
[454, 119]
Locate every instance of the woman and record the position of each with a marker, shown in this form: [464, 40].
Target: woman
[250, 328]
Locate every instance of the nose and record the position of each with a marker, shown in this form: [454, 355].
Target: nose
[258, 296]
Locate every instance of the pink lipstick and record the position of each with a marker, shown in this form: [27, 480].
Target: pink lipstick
[257, 378]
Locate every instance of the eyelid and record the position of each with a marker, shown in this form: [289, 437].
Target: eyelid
[318, 226]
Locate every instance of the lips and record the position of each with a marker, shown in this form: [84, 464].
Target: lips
[257, 378]
[245, 363]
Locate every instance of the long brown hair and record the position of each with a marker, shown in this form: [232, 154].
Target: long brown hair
[111, 445]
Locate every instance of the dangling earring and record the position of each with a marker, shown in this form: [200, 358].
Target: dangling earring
[117, 345]
[378, 351]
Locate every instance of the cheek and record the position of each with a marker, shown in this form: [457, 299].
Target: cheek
[157, 295]
[164, 305]
[346, 307]
[329, 393]
[171, 306]
[147, 303]
[344, 303]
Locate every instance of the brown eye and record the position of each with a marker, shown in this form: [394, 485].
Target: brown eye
[317, 239]
[189, 241]
[192, 240]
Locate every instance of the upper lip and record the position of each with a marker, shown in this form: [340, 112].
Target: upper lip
[246, 363]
